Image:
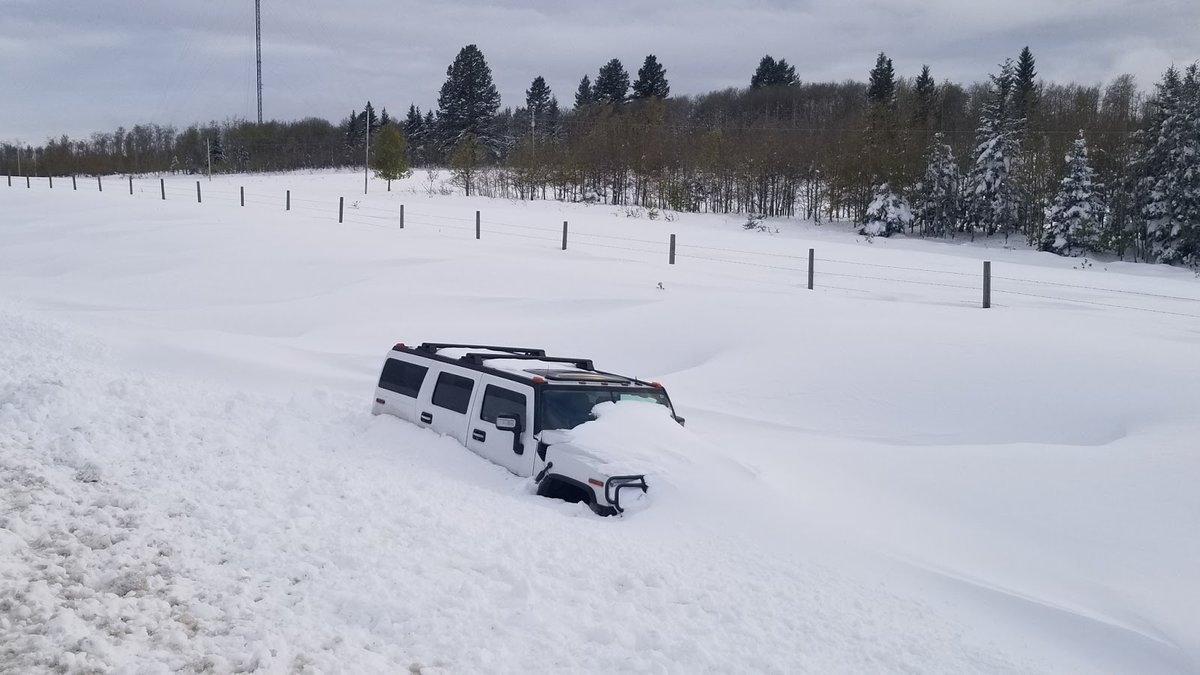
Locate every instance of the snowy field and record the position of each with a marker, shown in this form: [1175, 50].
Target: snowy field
[877, 475]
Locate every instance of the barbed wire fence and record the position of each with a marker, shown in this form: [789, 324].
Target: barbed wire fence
[358, 211]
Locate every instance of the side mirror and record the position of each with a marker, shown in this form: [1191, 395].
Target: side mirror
[552, 436]
[512, 423]
[680, 420]
[508, 423]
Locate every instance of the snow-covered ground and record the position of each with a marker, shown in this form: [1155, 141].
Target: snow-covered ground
[876, 476]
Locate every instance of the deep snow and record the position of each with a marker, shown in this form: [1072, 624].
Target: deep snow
[876, 476]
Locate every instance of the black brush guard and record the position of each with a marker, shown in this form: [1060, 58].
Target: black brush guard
[614, 485]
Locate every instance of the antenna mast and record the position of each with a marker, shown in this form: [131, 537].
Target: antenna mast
[258, 51]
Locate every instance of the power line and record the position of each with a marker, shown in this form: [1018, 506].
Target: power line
[258, 51]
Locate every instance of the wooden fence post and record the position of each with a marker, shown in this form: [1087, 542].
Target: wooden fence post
[671, 255]
[198, 192]
[987, 284]
[341, 206]
[288, 203]
[402, 216]
[130, 184]
[162, 188]
[242, 190]
[564, 235]
[27, 184]
[74, 186]
[51, 177]
[812, 256]
[476, 224]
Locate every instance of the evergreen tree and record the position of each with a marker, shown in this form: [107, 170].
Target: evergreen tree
[938, 195]
[887, 214]
[537, 102]
[414, 131]
[882, 162]
[413, 121]
[612, 84]
[772, 73]
[925, 90]
[882, 87]
[651, 81]
[553, 120]
[390, 157]
[216, 152]
[384, 118]
[468, 101]
[369, 120]
[1169, 181]
[1075, 220]
[430, 148]
[1024, 88]
[585, 95]
[992, 196]
[352, 129]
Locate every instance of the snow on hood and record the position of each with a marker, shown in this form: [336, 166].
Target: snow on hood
[632, 437]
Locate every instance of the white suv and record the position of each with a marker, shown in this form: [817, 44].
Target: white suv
[505, 403]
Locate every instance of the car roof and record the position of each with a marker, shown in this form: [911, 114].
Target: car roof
[525, 363]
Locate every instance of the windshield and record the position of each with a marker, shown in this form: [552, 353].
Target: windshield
[568, 408]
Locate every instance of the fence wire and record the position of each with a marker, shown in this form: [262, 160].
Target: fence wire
[358, 211]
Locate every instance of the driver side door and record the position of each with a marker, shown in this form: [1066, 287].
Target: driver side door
[496, 397]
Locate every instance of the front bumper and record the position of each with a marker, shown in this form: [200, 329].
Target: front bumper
[614, 485]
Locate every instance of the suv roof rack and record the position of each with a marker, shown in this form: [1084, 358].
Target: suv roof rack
[523, 351]
[478, 359]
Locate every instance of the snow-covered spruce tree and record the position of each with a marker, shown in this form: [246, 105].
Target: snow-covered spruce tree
[1076, 218]
[887, 213]
[1169, 183]
[937, 196]
[468, 101]
[216, 151]
[992, 198]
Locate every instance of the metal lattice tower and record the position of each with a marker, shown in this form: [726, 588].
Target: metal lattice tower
[258, 51]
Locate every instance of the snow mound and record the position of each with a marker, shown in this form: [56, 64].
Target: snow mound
[634, 437]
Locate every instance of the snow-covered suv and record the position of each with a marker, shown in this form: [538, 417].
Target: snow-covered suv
[510, 405]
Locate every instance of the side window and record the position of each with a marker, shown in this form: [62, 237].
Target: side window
[402, 377]
[499, 401]
[453, 392]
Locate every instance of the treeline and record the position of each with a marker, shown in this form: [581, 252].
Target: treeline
[1070, 168]
[233, 146]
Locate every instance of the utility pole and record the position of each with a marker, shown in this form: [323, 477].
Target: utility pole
[258, 51]
[367, 152]
[208, 151]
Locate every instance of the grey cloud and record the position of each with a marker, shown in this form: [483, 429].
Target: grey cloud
[95, 65]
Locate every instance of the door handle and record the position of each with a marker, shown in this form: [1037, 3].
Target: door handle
[426, 417]
[479, 434]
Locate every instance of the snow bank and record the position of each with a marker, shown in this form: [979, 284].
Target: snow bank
[192, 479]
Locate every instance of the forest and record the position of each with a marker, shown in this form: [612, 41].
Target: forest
[1069, 168]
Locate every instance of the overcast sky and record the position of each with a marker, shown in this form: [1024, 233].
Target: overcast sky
[93, 65]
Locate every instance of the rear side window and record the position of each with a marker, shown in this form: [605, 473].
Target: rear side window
[453, 392]
[402, 377]
[499, 401]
